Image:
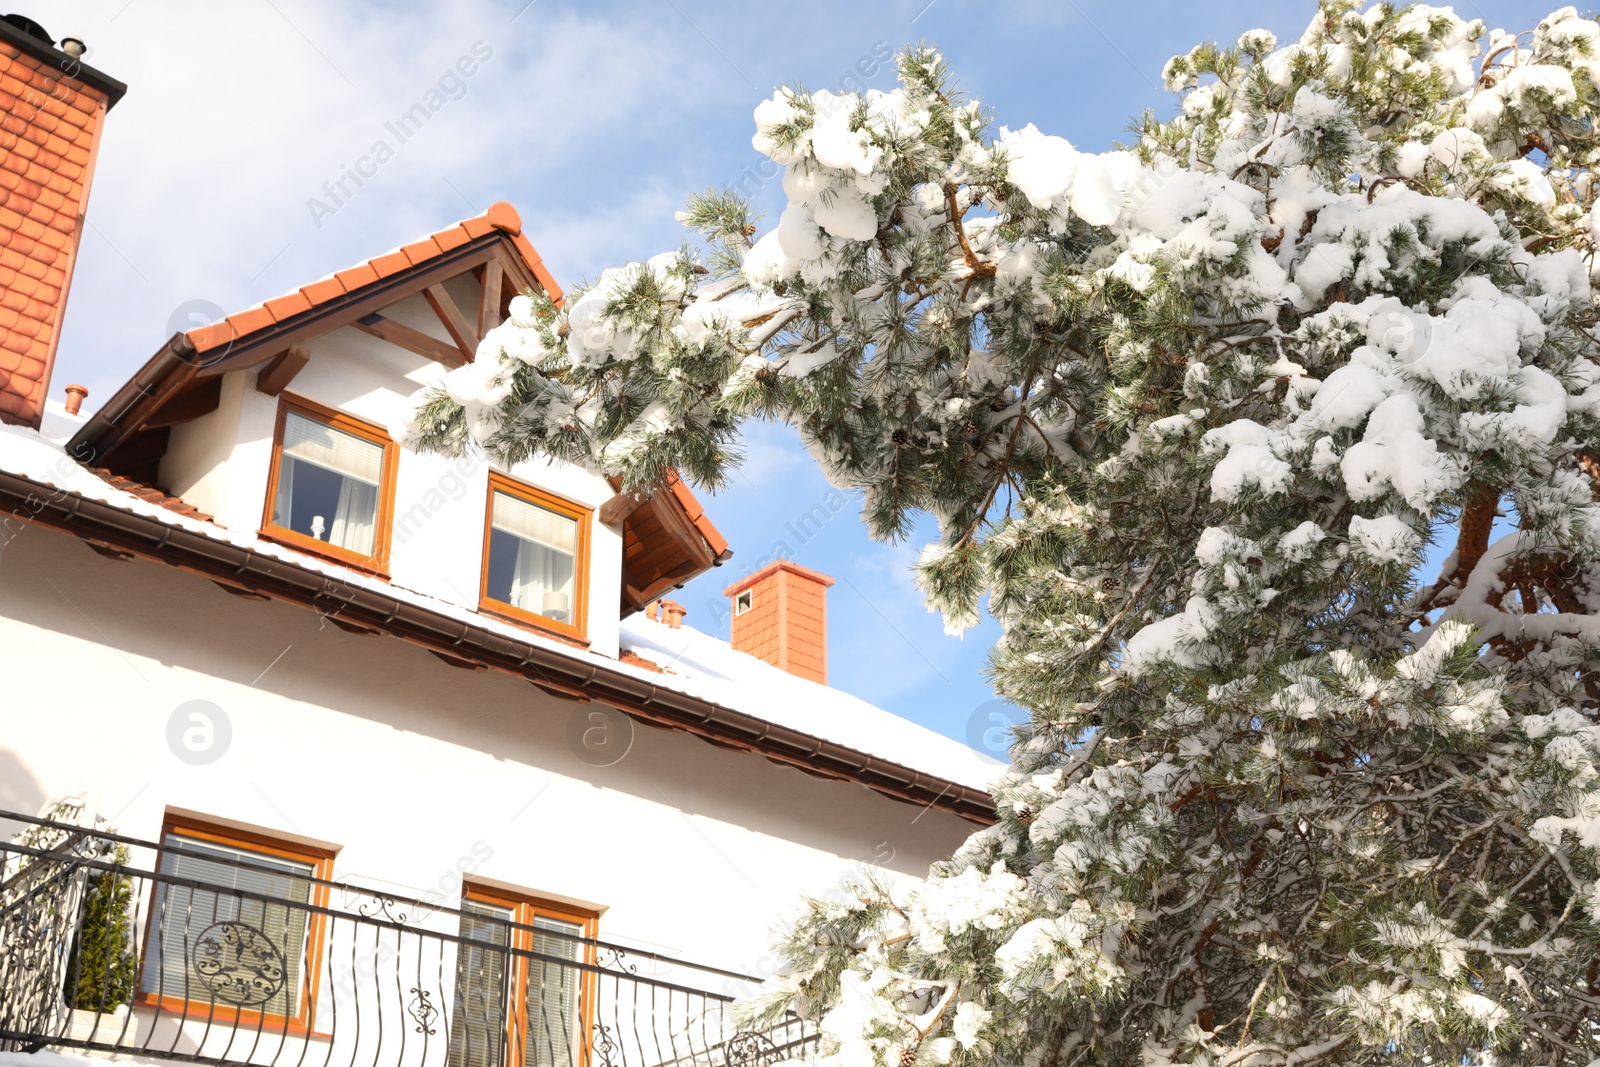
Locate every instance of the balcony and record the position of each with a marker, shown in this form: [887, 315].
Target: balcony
[110, 944]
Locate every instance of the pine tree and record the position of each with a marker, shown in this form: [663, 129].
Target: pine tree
[1190, 414]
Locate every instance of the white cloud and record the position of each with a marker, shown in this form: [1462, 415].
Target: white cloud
[236, 115]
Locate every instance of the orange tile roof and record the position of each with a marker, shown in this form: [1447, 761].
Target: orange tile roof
[152, 495]
[697, 515]
[500, 216]
[47, 143]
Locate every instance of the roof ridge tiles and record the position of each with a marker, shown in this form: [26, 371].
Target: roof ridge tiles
[500, 217]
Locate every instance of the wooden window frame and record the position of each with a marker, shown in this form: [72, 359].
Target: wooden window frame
[524, 908]
[378, 562]
[578, 630]
[264, 843]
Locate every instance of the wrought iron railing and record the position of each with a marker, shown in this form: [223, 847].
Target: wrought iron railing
[113, 944]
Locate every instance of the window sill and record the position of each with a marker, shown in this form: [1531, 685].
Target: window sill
[528, 620]
[372, 565]
[200, 1011]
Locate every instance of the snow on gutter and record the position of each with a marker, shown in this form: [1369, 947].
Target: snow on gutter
[363, 604]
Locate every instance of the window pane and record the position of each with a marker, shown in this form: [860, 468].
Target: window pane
[483, 976]
[554, 1029]
[228, 947]
[328, 484]
[532, 558]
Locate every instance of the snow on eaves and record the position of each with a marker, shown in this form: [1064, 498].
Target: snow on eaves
[708, 667]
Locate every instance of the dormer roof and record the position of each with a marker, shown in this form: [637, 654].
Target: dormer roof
[667, 537]
[172, 385]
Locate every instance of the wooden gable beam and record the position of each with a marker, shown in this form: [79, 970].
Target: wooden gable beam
[276, 375]
[324, 319]
[681, 530]
[228, 364]
[187, 405]
[635, 598]
[616, 510]
[518, 278]
[489, 297]
[412, 340]
[455, 323]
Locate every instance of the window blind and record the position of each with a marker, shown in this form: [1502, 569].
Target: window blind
[534, 523]
[352, 456]
[483, 977]
[554, 1029]
[219, 947]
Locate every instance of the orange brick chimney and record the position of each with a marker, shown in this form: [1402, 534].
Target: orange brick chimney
[53, 108]
[780, 614]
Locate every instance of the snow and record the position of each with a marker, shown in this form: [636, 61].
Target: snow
[1386, 539]
[1249, 462]
[52, 1058]
[798, 234]
[833, 142]
[708, 667]
[846, 214]
[702, 666]
[1040, 165]
[1395, 451]
[1177, 639]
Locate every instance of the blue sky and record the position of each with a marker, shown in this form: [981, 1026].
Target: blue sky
[594, 120]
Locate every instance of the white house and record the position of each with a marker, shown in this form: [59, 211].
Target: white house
[374, 757]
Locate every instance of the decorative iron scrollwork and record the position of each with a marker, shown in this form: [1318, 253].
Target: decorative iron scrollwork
[239, 964]
[381, 906]
[603, 1045]
[749, 1049]
[612, 958]
[422, 1010]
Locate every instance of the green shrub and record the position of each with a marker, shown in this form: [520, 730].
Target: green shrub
[101, 976]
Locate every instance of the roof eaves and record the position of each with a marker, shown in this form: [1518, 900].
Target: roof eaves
[635, 691]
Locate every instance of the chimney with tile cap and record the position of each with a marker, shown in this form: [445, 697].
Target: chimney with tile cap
[54, 106]
[780, 614]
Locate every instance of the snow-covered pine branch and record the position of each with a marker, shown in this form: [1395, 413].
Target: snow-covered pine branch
[1189, 413]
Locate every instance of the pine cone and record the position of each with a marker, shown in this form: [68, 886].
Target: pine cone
[908, 1057]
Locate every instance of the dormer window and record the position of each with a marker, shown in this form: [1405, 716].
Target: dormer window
[535, 557]
[331, 485]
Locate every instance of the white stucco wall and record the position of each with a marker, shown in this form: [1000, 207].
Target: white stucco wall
[412, 766]
[220, 463]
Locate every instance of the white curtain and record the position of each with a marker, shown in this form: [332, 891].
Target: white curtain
[545, 555]
[359, 461]
[541, 570]
[354, 519]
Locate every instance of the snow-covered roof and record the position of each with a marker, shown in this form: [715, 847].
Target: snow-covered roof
[697, 665]
[711, 668]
